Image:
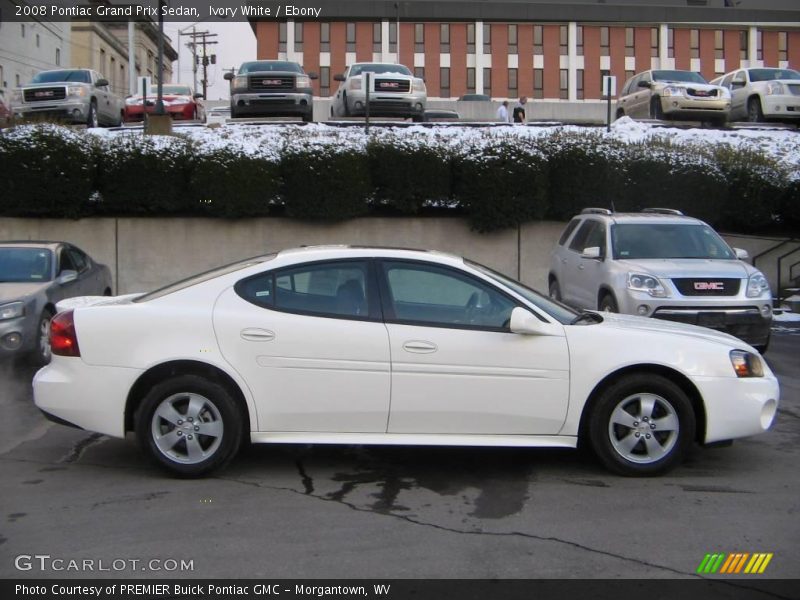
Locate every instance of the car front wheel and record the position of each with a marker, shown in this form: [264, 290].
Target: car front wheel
[754, 112]
[43, 354]
[189, 425]
[642, 425]
[656, 112]
[555, 291]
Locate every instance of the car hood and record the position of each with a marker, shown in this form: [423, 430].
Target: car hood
[10, 291]
[51, 84]
[268, 74]
[685, 84]
[646, 324]
[672, 268]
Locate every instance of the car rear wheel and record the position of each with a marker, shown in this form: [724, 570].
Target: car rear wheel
[754, 112]
[656, 112]
[189, 425]
[642, 425]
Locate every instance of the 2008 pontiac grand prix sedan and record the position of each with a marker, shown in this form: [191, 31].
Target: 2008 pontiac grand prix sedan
[354, 345]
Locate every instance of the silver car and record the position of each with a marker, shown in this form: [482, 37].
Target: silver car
[34, 276]
[763, 94]
[393, 92]
[659, 263]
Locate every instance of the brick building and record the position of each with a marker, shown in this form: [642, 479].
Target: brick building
[542, 49]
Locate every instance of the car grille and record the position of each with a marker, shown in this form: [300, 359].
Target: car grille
[275, 102]
[45, 94]
[271, 83]
[707, 286]
[794, 89]
[392, 86]
[702, 93]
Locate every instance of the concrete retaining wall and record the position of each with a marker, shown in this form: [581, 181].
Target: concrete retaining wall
[144, 254]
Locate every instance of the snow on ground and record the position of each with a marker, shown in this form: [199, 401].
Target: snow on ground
[787, 317]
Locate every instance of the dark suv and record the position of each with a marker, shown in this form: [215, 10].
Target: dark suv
[271, 88]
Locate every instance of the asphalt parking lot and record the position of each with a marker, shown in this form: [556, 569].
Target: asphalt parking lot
[383, 512]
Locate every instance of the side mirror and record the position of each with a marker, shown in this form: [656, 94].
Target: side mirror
[741, 254]
[338, 78]
[228, 76]
[644, 84]
[197, 96]
[313, 75]
[524, 322]
[592, 252]
[735, 85]
[101, 82]
[67, 276]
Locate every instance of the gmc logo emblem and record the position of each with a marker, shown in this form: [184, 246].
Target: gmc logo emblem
[271, 82]
[46, 94]
[389, 84]
[701, 286]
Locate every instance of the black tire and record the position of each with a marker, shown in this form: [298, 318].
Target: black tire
[196, 404]
[308, 118]
[555, 290]
[91, 119]
[653, 440]
[754, 112]
[234, 114]
[344, 104]
[762, 348]
[417, 118]
[656, 112]
[41, 355]
[608, 304]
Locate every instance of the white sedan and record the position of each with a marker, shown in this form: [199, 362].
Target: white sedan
[385, 346]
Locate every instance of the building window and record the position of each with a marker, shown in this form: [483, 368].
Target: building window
[58, 57]
[282, 36]
[350, 43]
[538, 36]
[324, 37]
[487, 82]
[103, 62]
[512, 83]
[719, 43]
[38, 41]
[471, 80]
[444, 38]
[783, 45]
[744, 45]
[654, 41]
[579, 84]
[487, 38]
[298, 37]
[419, 37]
[377, 37]
[470, 38]
[538, 83]
[512, 39]
[759, 46]
[605, 43]
[419, 72]
[324, 81]
[444, 82]
[17, 80]
[579, 40]
[563, 40]
[671, 43]
[629, 41]
[563, 84]
[392, 37]
[22, 29]
[694, 43]
[629, 74]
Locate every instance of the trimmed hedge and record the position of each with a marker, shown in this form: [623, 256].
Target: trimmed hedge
[495, 178]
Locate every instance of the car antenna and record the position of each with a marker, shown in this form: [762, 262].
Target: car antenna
[613, 210]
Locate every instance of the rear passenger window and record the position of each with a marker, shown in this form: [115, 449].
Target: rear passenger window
[568, 231]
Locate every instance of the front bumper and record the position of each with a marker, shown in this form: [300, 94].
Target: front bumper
[786, 106]
[389, 105]
[17, 336]
[738, 407]
[273, 104]
[692, 108]
[89, 397]
[75, 112]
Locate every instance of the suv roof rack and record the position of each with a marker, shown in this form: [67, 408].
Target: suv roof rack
[596, 211]
[663, 211]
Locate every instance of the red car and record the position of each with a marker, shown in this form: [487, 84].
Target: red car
[179, 102]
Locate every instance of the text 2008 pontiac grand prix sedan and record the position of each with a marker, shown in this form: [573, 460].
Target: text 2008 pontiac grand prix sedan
[385, 346]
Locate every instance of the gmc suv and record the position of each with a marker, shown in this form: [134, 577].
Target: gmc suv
[271, 88]
[660, 263]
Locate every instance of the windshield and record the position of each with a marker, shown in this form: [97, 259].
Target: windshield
[380, 69]
[561, 313]
[18, 265]
[667, 240]
[679, 76]
[173, 90]
[770, 74]
[203, 277]
[79, 76]
[260, 67]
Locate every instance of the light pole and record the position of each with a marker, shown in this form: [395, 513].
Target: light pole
[397, 34]
[159, 110]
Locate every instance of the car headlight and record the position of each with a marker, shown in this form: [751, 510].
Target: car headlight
[419, 86]
[639, 282]
[671, 90]
[240, 82]
[757, 285]
[76, 90]
[746, 364]
[775, 88]
[355, 83]
[303, 81]
[12, 311]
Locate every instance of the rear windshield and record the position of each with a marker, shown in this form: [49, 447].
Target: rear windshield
[678, 76]
[770, 74]
[79, 76]
[668, 240]
[203, 277]
[271, 65]
[378, 68]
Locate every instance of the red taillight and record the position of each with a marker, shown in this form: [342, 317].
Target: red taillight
[63, 338]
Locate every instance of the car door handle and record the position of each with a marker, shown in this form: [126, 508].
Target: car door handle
[253, 334]
[581, 267]
[420, 347]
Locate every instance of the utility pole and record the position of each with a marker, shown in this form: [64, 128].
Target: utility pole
[203, 39]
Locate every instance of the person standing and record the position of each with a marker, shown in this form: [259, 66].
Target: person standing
[519, 110]
[502, 113]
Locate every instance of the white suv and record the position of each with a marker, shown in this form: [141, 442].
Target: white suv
[660, 263]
